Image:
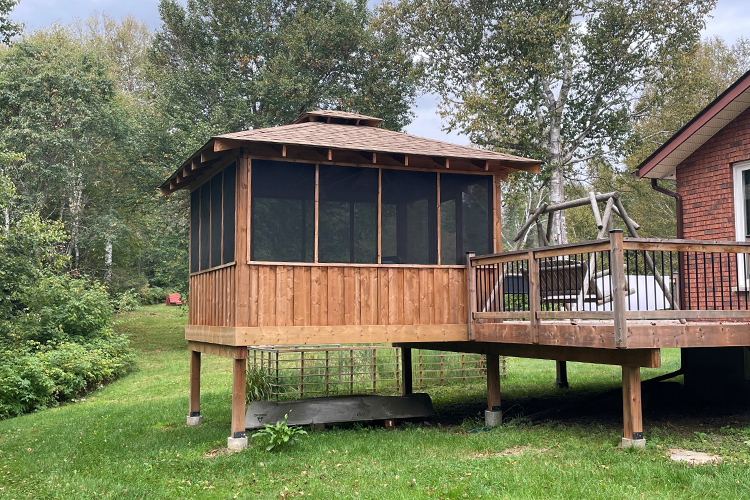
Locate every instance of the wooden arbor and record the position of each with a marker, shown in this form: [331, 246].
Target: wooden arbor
[332, 230]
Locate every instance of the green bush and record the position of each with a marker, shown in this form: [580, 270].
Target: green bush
[69, 308]
[43, 376]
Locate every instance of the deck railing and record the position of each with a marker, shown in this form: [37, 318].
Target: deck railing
[613, 280]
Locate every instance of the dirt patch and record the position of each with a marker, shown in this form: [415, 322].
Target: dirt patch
[693, 457]
[219, 452]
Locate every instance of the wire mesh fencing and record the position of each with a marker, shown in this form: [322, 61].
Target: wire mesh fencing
[317, 371]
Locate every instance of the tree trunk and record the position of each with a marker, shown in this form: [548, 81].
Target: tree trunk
[7, 219]
[556, 187]
[76, 207]
[108, 259]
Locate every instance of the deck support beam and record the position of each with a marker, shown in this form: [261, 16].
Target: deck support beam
[632, 415]
[238, 440]
[194, 417]
[407, 380]
[493, 416]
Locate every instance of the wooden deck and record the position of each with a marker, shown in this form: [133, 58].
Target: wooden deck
[616, 301]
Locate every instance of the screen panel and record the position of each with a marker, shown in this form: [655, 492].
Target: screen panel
[348, 219]
[216, 218]
[283, 211]
[409, 217]
[230, 182]
[194, 230]
[205, 226]
[465, 216]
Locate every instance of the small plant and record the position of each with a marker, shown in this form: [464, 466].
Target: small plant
[258, 386]
[279, 434]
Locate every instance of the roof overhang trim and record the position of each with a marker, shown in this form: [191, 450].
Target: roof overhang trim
[219, 147]
[662, 164]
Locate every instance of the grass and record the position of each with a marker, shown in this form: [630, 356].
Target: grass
[128, 440]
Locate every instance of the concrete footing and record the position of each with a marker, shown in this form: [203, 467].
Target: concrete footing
[236, 443]
[194, 420]
[633, 443]
[493, 418]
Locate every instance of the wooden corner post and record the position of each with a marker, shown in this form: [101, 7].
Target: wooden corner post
[237, 440]
[471, 275]
[619, 286]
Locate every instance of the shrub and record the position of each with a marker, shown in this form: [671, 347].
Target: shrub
[43, 376]
[68, 308]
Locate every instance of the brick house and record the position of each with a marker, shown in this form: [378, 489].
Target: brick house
[710, 160]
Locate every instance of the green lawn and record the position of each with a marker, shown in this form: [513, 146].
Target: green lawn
[128, 440]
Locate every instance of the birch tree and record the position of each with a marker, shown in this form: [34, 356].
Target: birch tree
[554, 81]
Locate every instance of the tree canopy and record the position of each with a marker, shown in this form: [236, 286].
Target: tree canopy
[246, 64]
[551, 80]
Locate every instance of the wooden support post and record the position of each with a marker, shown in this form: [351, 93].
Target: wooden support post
[194, 406]
[619, 287]
[237, 440]
[493, 415]
[631, 407]
[407, 384]
[561, 379]
[535, 297]
[472, 292]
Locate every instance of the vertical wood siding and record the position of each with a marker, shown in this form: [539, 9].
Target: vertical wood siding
[282, 295]
[213, 297]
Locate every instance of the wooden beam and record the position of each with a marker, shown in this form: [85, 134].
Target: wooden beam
[686, 245]
[647, 358]
[238, 397]
[226, 144]
[344, 334]
[217, 350]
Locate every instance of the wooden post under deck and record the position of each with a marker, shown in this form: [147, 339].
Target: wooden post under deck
[631, 407]
[493, 382]
[407, 384]
[561, 380]
[195, 384]
[238, 398]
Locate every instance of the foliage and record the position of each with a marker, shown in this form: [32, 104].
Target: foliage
[689, 82]
[55, 340]
[38, 378]
[258, 386]
[553, 81]
[240, 64]
[8, 29]
[279, 435]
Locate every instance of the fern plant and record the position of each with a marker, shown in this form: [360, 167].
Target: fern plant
[279, 434]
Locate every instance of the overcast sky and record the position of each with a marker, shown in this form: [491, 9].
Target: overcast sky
[730, 20]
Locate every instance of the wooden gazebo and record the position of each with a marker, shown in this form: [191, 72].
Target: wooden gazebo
[332, 230]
